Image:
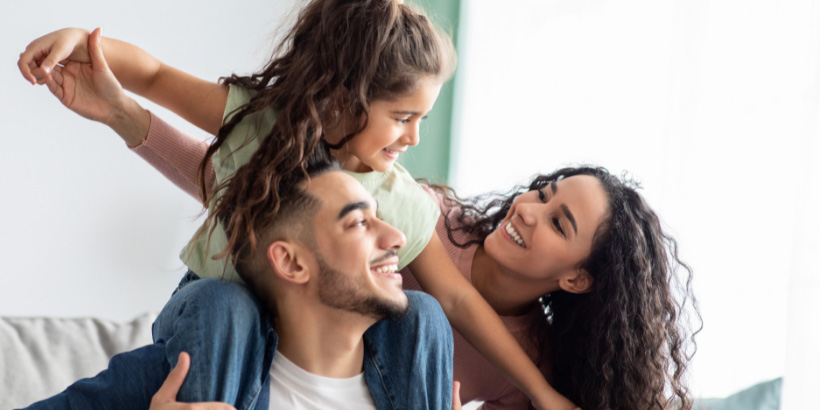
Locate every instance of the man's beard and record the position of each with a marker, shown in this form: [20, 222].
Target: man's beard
[338, 291]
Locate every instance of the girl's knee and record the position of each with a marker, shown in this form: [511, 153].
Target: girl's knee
[426, 311]
[212, 294]
[209, 303]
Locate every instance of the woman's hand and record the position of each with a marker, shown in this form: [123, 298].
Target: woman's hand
[166, 396]
[43, 54]
[91, 90]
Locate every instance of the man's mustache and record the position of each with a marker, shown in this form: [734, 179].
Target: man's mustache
[387, 255]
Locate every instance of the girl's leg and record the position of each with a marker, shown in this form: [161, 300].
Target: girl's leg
[220, 324]
[223, 327]
[409, 363]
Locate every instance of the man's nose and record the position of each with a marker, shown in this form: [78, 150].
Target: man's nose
[390, 237]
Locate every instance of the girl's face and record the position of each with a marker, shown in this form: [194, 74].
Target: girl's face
[393, 127]
[549, 231]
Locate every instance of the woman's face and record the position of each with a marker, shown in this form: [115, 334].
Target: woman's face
[548, 232]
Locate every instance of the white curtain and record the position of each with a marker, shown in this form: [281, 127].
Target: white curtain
[713, 105]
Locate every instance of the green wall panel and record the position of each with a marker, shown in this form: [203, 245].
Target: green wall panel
[431, 158]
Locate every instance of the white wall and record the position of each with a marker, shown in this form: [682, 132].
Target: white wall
[87, 227]
[712, 104]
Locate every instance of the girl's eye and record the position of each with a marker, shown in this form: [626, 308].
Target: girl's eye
[403, 120]
[542, 196]
[557, 226]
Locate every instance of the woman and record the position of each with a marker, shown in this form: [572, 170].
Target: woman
[581, 272]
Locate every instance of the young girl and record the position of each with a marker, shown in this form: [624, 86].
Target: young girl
[358, 76]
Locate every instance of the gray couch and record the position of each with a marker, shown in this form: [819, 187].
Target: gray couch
[39, 357]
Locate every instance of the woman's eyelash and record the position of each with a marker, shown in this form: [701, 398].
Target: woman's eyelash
[542, 196]
[557, 225]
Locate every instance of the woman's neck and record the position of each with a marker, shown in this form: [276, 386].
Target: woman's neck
[506, 295]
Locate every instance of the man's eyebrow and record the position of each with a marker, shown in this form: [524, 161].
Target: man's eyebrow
[570, 217]
[352, 207]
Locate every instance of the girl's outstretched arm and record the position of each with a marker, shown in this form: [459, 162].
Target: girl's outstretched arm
[198, 101]
[473, 317]
[90, 90]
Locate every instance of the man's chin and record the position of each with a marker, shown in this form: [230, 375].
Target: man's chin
[398, 312]
[392, 309]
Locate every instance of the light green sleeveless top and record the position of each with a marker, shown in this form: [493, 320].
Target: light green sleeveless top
[402, 202]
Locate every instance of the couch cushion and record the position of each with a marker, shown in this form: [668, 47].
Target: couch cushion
[40, 357]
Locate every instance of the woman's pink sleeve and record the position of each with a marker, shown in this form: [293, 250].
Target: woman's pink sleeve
[176, 155]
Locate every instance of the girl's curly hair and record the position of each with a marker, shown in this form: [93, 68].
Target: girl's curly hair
[339, 56]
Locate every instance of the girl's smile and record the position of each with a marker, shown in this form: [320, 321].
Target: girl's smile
[393, 127]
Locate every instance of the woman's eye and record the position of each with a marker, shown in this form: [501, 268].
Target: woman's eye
[542, 196]
[403, 120]
[557, 226]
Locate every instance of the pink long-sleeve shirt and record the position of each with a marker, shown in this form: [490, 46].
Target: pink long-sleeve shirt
[176, 155]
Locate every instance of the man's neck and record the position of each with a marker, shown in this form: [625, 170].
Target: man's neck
[323, 341]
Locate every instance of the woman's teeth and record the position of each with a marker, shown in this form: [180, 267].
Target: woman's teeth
[387, 269]
[513, 234]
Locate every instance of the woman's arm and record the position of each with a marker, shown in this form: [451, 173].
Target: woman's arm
[198, 101]
[470, 314]
[177, 156]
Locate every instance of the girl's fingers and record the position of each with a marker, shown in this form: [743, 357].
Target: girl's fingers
[95, 50]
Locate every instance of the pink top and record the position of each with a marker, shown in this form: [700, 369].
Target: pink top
[479, 379]
[176, 155]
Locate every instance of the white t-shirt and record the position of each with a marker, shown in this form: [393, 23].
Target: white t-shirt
[291, 387]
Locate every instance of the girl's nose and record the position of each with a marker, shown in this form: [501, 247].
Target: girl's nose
[411, 138]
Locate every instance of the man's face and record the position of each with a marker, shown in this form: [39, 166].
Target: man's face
[356, 251]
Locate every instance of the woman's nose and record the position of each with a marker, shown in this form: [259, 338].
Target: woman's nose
[527, 213]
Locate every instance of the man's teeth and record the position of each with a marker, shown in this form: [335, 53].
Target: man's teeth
[513, 234]
[387, 269]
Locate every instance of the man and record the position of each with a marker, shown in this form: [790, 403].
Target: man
[325, 269]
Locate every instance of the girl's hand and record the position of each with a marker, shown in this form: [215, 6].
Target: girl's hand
[43, 54]
[91, 90]
[456, 395]
[166, 396]
[552, 400]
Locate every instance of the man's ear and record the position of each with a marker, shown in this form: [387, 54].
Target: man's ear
[579, 281]
[288, 261]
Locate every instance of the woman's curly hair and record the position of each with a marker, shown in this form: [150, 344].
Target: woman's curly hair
[627, 343]
[339, 57]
